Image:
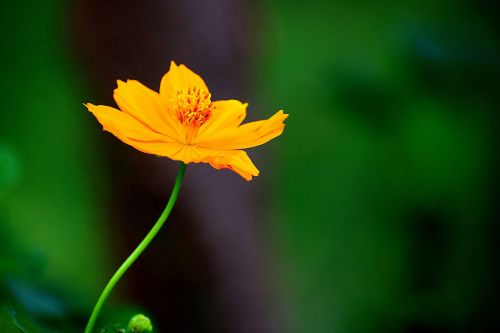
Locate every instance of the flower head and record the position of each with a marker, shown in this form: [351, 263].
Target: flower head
[182, 122]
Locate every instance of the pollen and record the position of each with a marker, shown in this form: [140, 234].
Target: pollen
[193, 106]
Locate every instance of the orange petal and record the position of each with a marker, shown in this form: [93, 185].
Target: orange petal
[227, 114]
[239, 162]
[236, 160]
[188, 154]
[179, 78]
[146, 106]
[132, 132]
[245, 136]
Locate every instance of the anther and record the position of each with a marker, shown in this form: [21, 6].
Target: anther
[193, 106]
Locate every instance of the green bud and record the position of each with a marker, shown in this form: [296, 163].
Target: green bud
[140, 324]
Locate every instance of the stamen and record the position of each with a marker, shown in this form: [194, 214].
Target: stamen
[193, 106]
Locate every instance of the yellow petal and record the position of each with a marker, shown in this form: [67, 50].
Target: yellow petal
[239, 162]
[132, 132]
[227, 114]
[187, 154]
[235, 160]
[146, 106]
[179, 78]
[245, 136]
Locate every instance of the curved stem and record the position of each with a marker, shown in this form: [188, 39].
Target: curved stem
[137, 252]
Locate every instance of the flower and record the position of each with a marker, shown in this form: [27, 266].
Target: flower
[182, 123]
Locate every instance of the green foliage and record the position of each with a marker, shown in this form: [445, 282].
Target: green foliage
[11, 323]
[9, 169]
[47, 201]
[385, 169]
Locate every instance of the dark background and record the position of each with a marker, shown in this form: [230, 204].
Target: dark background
[375, 211]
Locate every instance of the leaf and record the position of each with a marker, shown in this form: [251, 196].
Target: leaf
[12, 315]
[9, 168]
[9, 322]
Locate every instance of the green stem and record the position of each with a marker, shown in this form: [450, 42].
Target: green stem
[137, 252]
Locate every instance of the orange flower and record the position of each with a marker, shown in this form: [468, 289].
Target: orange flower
[182, 123]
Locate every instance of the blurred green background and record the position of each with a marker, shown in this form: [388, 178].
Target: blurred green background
[375, 211]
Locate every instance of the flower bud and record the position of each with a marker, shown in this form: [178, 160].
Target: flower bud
[140, 324]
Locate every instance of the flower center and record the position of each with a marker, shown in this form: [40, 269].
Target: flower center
[193, 106]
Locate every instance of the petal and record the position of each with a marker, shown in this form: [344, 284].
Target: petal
[227, 114]
[235, 160]
[245, 136]
[239, 162]
[190, 154]
[132, 132]
[146, 106]
[178, 78]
